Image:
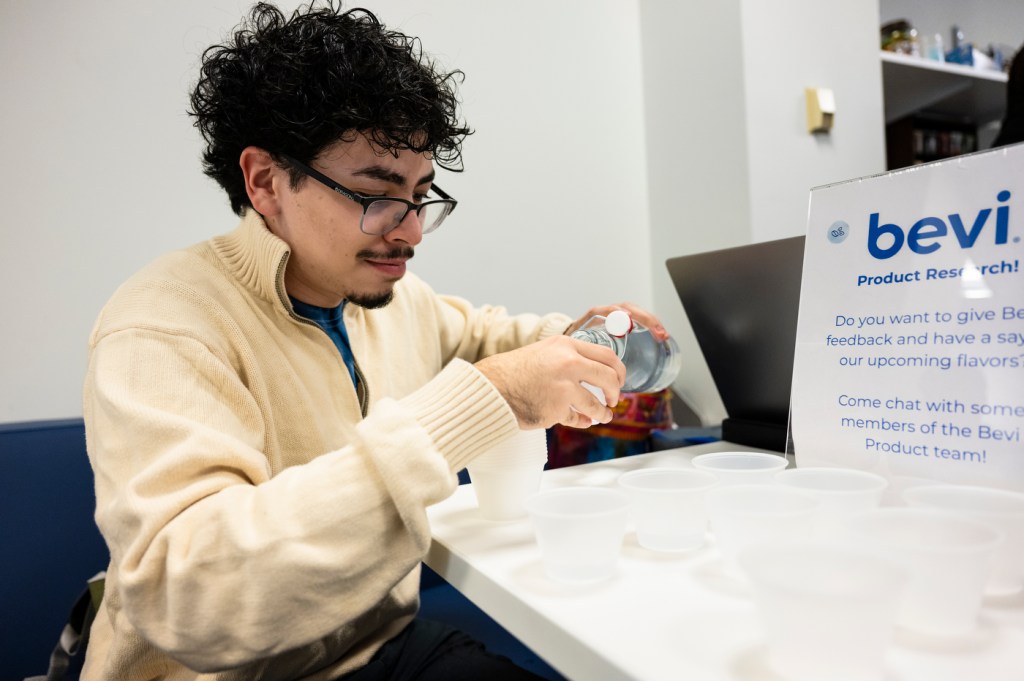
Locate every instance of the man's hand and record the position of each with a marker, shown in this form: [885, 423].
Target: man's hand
[542, 382]
[637, 314]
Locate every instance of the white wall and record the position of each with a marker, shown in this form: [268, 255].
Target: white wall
[826, 43]
[730, 160]
[101, 171]
[697, 157]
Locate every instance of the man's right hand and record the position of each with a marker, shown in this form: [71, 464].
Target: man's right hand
[542, 382]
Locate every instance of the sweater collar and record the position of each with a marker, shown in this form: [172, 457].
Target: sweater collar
[255, 257]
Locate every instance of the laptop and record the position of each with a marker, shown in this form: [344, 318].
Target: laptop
[742, 304]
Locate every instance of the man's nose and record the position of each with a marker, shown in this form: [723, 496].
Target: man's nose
[408, 231]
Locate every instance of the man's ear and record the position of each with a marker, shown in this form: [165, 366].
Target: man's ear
[264, 180]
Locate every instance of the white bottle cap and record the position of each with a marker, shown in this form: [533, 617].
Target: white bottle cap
[618, 323]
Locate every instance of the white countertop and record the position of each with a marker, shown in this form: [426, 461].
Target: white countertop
[664, 616]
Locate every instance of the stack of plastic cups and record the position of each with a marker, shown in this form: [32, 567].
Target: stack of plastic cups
[505, 475]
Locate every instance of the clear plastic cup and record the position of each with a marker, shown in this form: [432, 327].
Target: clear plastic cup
[748, 515]
[840, 491]
[739, 468]
[579, 531]
[947, 557]
[667, 506]
[828, 612]
[505, 475]
[999, 508]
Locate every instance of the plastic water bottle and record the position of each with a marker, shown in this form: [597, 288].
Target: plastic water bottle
[651, 365]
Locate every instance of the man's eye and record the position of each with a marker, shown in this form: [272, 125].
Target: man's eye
[419, 198]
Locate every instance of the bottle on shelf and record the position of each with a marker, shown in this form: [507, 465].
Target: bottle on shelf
[936, 52]
[961, 52]
[901, 37]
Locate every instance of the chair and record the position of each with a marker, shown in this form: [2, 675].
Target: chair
[50, 541]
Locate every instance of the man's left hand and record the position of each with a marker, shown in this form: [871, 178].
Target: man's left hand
[638, 315]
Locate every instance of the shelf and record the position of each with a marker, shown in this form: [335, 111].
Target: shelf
[912, 84]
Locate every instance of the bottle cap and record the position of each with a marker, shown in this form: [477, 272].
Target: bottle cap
[618, 323]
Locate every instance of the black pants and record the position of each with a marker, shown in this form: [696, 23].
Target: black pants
[431, 651]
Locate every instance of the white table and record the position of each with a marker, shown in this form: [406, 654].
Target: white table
[664, 616]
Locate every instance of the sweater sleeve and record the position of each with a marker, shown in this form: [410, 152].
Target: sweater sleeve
[213, 553]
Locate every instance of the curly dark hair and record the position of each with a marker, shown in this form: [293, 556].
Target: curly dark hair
[295, 86]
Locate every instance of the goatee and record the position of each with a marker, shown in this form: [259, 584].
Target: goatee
[372, 301]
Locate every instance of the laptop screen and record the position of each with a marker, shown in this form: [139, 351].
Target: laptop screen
[742, 304]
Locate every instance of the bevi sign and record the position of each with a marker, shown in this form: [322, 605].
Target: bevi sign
[910, 342]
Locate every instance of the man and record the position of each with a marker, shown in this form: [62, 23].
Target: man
[1012, 129]
[270, 413]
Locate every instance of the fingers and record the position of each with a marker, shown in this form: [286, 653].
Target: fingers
[594, 405]
[577, 419]
[646, 318]
[542, 382]
[602, 357]
[638, 314]
[594, 378]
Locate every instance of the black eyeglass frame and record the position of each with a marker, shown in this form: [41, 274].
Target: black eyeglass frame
[367, 201]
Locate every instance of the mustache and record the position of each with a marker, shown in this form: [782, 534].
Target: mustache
[401, 252]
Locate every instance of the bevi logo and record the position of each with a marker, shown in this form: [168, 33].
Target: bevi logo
[838, 231]
[929, 234]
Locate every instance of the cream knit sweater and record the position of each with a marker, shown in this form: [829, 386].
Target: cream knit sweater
[259, 526]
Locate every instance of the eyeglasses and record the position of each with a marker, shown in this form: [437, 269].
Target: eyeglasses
[382, 214]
